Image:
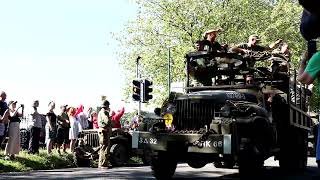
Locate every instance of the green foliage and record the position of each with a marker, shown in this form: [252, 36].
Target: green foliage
[164, 23]
[43, 161]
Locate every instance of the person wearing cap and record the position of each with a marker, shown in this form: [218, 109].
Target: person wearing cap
[36, 126]
[252, 45]
[199, 69]
[209, 43]
[13, 144]
[104, 132]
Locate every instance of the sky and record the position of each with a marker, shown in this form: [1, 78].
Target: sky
[62, 50]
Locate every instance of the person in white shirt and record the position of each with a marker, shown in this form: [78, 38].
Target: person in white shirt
[36, 125]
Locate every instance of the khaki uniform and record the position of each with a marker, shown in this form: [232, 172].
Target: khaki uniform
[104, 132]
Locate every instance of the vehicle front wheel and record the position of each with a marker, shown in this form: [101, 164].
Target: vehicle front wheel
[249, 163]
[163, 165]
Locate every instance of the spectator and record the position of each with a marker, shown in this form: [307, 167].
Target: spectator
[309, 71]
[75, 128]
[13, 145]
[115, 118]
[90, 123]
[94, 119]
[136, 121]
[126, 124]
[35, 129]
[4, 113]
[51, 127]
[2, 126]
[63, 129]
[82, 117]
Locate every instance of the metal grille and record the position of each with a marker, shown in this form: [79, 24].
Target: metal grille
[195, 114]
[91, 137]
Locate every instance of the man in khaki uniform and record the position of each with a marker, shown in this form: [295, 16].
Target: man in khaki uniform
[105, 130]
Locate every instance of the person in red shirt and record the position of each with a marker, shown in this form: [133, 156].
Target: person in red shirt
[94, 119]
[115, 117]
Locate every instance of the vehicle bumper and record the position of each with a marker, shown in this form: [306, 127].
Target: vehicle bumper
[214, 143]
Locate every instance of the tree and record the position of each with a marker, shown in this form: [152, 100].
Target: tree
[164, 23]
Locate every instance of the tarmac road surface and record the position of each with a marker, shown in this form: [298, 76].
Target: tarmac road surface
[183, 171]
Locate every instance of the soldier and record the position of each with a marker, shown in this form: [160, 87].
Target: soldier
[105, 131]
[253, 45]
[209, 43]
[200, 70]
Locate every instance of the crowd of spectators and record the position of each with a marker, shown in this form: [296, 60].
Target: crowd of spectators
[61, 129]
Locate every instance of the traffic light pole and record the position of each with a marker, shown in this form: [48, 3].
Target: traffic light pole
[169, 71]
[137, 71]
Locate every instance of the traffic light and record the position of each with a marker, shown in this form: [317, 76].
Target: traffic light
[146, 90]
[136, 90]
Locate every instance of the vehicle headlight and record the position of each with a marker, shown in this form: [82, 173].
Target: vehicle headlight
[168, 118]
[225, 111]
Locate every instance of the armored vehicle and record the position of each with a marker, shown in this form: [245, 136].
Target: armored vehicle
[225, 119]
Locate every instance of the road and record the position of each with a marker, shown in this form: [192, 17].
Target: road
[272, 171]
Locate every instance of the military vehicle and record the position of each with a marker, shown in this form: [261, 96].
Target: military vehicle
[120, 148]
[229, 121]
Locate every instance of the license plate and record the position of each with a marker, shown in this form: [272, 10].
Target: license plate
[213, 144]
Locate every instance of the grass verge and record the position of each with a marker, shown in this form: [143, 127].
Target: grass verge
[43, 161]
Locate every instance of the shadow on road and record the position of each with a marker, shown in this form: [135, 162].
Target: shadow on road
[269, 173]
[137, 173]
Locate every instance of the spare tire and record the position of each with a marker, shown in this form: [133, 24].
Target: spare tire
[118, 155]
[24, 138]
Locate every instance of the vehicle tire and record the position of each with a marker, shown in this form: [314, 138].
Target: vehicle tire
[229, 164]
[250, 164]
[118, 155]
[294, 150]
[197, 164]
[81, 162]
[218, 164]
[163, 166]
[147, 157]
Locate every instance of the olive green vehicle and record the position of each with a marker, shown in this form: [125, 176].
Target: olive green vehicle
[231, 123]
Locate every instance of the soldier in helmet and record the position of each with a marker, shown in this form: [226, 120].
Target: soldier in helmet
[105, 131]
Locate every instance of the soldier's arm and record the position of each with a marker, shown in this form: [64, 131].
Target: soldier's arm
[239, 49]
[273, 45]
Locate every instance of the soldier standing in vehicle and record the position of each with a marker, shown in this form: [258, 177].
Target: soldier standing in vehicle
[105, 130]
[209, 43]
[199, 69]
[253, 45]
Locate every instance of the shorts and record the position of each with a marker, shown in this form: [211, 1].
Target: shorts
[62, 135]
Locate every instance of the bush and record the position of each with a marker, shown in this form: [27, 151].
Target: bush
[28, 162]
